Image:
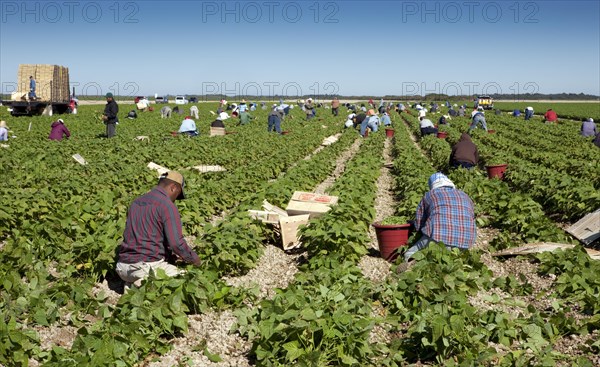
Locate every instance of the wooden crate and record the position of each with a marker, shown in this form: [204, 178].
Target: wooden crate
[52, 81]
[587, 229]
[313, 209]
[217, 131]
[310, 197]
[289, 230]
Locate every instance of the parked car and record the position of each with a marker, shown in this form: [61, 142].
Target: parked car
[161, 99]
[181, 100]
[193, 99]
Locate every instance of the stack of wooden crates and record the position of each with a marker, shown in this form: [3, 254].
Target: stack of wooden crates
[52, 81]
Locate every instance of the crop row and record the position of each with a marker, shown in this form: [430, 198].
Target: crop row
[430, 306]
[521, 218]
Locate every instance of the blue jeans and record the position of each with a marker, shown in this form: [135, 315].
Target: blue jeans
[528, 114]
[274, 124]
[422, 243]
[478, 120]
[367, 123]
[467, 165]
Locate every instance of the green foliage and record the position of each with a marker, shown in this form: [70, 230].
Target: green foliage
[394, 220]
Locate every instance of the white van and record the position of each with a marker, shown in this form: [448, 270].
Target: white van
[180, 100]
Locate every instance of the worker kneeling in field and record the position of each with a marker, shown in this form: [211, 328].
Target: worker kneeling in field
[188, 126]
[59, 130]
[427, 127]
[153, 238]
[445, 214]
[371, 121]
[464, 153]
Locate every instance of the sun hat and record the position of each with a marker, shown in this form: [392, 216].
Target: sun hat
[109, 95]
[61, 121]
[3, 123]
[175, 177]
[223, 116]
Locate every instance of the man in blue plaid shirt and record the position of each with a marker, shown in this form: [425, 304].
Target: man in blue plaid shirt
[445, 214]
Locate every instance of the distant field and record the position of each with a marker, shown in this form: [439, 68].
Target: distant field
[575, 111]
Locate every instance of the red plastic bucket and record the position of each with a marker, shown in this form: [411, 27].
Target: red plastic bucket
[174, 133]
[442, 134]
[390, 238]
[491, 131]
[285, 132]
[389, 133]
[496, 171]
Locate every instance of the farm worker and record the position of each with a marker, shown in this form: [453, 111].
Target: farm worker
[263, 105]
[243, 107]
[550, 116]
[194, 112]
[3, 131]
[178, 110]
[59, 130]
[32, 94]
[73, 106]
[219, 120]
[371, 121]
[358, 119]
[274, 120]
[528, 113]
[245, 118]
[363, 108]
[286, 109]
[110, 115]
[427, 127]
[478, 118]
[588, 128]
[422, 112]
[350, 121]
[461, 111]
[442, 120]
[385, 119]
[371, 103]
[309, 109]
[464, 153]
[153, 238]
[516, 113]
[252, 106]
[445, 214]
[165, 112]
[335, 106]
[188, 126]
[132, 115]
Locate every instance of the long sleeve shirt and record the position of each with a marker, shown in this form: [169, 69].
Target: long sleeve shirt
[153, 231]
[447, 215]
[187, 125]
[58, 131]
[588, 128]
[3, 134]
[111, 110]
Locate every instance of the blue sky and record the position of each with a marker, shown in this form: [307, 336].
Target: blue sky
[329, 47]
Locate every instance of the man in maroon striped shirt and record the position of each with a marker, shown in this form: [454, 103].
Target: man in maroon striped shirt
[153, 238]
